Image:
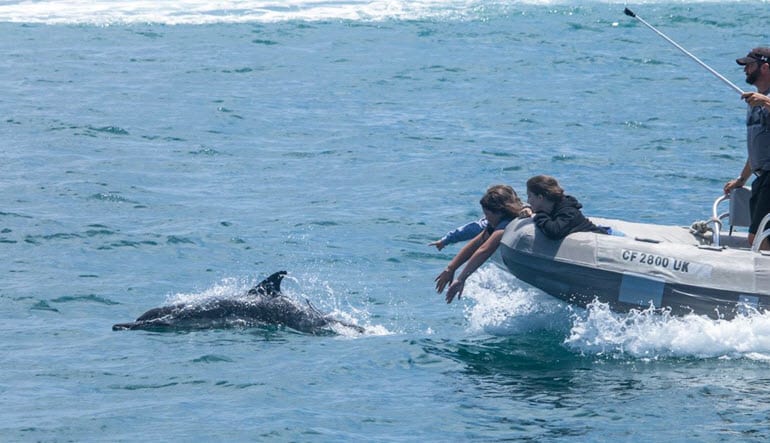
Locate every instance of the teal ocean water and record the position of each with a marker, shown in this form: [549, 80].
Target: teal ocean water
[156, 152]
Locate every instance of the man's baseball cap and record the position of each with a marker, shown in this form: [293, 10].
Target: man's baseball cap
[756, 55]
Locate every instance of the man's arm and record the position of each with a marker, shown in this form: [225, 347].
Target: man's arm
[740, 180]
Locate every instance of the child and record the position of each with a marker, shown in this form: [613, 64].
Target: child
[462, 233]
[472, 229]
[500, 205]
[556, 214]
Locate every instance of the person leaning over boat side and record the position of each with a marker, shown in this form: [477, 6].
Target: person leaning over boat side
[557, 214]
[500, 205]
[756, 66]
[461, 233]
[474, 228]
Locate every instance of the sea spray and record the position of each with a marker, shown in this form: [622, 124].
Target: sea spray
[650, 334]
[505, 306]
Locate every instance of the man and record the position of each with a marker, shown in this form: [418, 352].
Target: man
[756, 66]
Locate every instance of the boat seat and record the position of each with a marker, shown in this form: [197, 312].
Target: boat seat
[739, 214]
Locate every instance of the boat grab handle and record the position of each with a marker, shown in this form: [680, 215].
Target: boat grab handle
[716, 219]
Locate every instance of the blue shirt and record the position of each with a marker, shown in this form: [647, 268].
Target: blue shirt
[465, 232]
[471, 230]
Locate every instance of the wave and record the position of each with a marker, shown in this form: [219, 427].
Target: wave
[197, 12]
[504, 308]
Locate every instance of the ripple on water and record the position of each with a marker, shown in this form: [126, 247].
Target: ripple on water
[143, 386]
[89, 298]
[176, 240]
[112, 197]
[211, 152]
[113, 130]
[43, 305]
[99, 230]
[213, 358]
[129, 244]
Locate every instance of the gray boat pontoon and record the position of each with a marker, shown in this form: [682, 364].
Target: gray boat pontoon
[701, 269]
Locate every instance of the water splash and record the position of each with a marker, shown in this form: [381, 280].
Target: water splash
[651, 335]
[226, 288]
[327, 301]
[504, 306]
[333, 302]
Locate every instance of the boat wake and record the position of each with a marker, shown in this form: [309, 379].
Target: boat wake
[504, 306]
[650, 335]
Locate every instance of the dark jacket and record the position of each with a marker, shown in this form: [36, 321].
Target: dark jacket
[564, 219]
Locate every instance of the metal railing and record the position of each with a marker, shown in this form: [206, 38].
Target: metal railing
[717, 222]
[761, 235]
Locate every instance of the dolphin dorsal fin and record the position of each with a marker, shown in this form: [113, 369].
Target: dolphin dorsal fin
[270, 286]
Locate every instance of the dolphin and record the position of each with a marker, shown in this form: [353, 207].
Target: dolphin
[262, 305]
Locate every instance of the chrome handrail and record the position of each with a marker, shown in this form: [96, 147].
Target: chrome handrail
[716, 219]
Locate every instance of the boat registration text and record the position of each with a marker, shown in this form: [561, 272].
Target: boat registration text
[670, 263]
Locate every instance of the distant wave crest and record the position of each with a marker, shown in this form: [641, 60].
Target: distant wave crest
[107, 12]
[104, 12]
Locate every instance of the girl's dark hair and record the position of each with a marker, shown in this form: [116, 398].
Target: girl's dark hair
[546, 186]
[502, 199]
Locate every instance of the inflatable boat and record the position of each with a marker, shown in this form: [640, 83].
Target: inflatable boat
[700, 269]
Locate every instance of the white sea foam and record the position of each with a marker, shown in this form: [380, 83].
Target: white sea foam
[107, 12]
[505, 306]
[645, 334]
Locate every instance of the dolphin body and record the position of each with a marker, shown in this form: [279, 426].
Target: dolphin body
[262, 305]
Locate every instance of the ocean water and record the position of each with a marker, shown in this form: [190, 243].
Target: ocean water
[156, 152]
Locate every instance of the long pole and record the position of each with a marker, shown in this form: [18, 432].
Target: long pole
[630, 13]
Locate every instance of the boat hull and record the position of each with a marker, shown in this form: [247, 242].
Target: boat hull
[673, 272]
